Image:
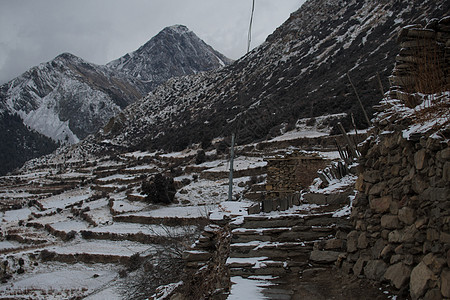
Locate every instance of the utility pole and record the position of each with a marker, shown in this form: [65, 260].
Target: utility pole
[249, 40]
[230, 184]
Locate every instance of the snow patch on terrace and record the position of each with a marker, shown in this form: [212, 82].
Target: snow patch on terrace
[68, 280]
[174, 212]
[66, 199]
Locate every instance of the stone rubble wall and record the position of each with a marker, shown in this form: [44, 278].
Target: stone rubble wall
[205, 265]
[423, 64]
[292, 173]
[401, 216]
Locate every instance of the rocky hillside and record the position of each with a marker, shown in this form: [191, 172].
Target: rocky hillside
[175, 51]
[67, 98]
[300, 71]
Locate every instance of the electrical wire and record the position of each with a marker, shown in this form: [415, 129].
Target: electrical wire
[250, 27]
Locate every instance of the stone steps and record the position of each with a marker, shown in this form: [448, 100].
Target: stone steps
[294, 234]
[283, 245]
[275, 250]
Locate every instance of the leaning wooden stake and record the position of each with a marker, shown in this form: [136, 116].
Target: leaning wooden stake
[359, 100]
[349, 142]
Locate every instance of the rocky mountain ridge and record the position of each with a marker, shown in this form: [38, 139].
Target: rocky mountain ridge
[185, 54]
[67, 98]
[300, 71]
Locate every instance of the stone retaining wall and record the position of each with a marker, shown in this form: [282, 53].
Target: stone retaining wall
[401, 216]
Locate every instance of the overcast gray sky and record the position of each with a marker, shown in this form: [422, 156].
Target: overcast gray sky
[99, 31]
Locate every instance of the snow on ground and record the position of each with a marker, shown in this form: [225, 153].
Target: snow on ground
[69, 225]
[295, 134]
[250, 288]
[66, 199]
[4, 245]
[174, 212]
[102, 247]
[52, 218]
[230, 209]
[209, 192]
[117, 178]
[100, 215]
[240, 163]
[335, 185]
[140, 154]
[123, 206]
[17, 215]
[331, 155]
[133, 228]
[181, 154]
[61, 281]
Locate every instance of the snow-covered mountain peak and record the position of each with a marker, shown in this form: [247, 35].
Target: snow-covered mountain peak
[180, 29]
[175, 51]
[69, 98]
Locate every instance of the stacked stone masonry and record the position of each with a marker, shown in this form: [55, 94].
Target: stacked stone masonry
[401, 216]
[423, 64]
[292, 173]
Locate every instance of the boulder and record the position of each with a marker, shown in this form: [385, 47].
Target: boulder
[324, 256]
[363, 242]
[421, 276]
[434, 294]
[420, 159]
[314, 198]
[372, 176]
[407, 215]
[377, 248]
[375, 269]
[389, 222]
[378, 188]
[380, 205]
[434, 263]
[359, 265]
[398, 275]
[445, 283]
[254, 209]
[352, 241]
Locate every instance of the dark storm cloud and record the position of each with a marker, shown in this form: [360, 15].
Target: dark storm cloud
[99, 31]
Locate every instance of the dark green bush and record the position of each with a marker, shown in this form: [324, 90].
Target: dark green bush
[159, 189]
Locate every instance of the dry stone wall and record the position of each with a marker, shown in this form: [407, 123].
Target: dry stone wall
[401, 215]
[423, 64]
[292, 173]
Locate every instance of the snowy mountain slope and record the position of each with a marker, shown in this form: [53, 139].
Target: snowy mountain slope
[175, 51]
[67, 98]
[300, 71]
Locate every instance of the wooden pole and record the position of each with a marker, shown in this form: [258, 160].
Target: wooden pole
[359, 100]
[230, 183]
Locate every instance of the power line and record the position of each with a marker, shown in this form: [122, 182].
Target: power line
[250, 27]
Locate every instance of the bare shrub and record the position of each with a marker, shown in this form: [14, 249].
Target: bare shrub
[164, 266]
